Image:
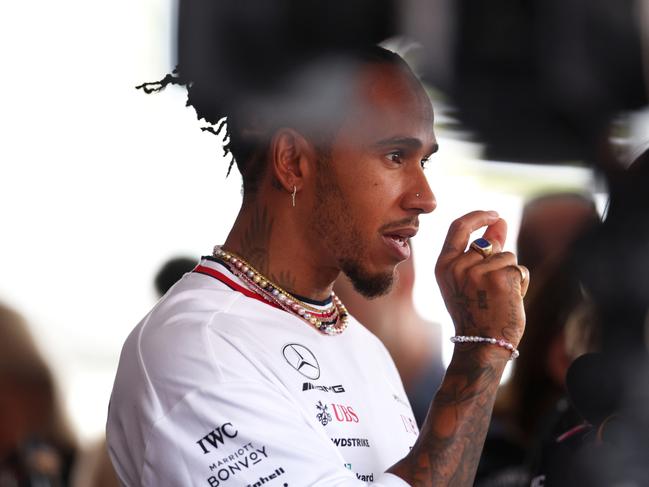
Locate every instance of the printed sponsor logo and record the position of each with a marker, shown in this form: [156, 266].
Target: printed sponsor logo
[351, 442]
[367, 477]
[410, 425]
[344, 414]
[263, 480]
[238, 462]
[308, 386]
[216, 436]
[301, 359]
[323, 414]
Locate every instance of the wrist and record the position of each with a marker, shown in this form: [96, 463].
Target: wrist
[481, 354]
[487, 341]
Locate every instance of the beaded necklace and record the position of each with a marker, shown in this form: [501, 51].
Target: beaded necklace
[332, 320]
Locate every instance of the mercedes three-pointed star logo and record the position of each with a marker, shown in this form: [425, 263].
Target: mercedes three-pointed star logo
[301, 359]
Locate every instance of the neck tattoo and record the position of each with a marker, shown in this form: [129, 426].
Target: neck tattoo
[328, 321]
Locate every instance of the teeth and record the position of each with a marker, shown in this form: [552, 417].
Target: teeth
[400, 240]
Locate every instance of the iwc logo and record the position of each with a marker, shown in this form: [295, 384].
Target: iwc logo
[301, 359]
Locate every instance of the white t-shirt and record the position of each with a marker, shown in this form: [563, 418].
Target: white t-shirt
[217, 388]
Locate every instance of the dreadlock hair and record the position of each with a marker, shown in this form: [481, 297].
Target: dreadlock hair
[311, 99]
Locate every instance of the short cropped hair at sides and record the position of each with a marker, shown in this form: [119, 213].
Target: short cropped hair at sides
[311, 99]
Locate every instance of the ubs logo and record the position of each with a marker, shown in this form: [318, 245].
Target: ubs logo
[301, 359]
[342, 413]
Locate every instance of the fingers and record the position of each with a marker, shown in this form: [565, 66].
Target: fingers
[460, 232]
[525, 278]
[458, 235]
[518, 276]
[475, 267]
[496, 233]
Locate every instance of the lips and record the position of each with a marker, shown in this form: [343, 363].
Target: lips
[397, 241]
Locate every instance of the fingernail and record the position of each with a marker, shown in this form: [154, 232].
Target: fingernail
[493, 214]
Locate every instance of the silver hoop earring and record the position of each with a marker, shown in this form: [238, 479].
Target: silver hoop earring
[293, 195]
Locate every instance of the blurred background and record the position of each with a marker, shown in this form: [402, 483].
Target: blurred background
[100, 185]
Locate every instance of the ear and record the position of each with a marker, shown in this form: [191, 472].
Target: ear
[292, 159]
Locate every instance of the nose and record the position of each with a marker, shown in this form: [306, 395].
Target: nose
[419, 197]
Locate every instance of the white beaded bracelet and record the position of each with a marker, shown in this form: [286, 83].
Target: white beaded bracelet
[500, 342]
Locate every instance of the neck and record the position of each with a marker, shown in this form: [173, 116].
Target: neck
[270, 238]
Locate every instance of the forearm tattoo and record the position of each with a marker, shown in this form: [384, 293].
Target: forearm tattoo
[451, 440]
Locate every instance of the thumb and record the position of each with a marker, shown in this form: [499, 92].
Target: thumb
[496, 233]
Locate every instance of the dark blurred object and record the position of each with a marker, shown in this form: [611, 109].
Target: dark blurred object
[37, 448]
[616, 269]
[251, 47]
[538, 81]
[611, 388]
[594, 388]
[541, 80]
[171, 271]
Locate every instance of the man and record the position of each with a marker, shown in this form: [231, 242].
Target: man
[250, 372]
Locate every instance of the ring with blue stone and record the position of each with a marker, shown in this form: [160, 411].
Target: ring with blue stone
[482, 246]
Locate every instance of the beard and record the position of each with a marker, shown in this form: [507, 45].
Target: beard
[337, 229]
[367, 285]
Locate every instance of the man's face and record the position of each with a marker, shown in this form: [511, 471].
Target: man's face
[371, 188]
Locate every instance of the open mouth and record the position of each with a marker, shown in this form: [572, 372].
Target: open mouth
[398, 246]
[399, 240]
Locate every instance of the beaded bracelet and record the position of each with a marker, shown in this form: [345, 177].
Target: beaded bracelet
[493, 341]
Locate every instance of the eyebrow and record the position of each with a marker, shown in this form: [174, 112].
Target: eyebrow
[410, 142]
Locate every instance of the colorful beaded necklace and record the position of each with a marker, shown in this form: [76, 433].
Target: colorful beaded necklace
[329, 321]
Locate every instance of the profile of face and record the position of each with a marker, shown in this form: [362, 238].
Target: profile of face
[371, 187]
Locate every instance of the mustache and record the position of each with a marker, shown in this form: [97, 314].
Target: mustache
[411, 221]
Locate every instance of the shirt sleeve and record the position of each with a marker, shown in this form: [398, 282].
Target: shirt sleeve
[244, 434]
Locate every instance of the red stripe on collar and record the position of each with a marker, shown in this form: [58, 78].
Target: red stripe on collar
[201, 269]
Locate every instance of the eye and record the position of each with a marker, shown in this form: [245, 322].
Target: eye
[424, 162]
[395, 156]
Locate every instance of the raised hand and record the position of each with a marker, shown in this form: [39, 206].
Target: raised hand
[484, 295]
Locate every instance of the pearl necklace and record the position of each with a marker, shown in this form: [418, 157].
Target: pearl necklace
[329, 321]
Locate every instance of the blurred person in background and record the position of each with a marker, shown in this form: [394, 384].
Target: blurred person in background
[414, 344]
[560, 326]
[610, 388]
[37, 448]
